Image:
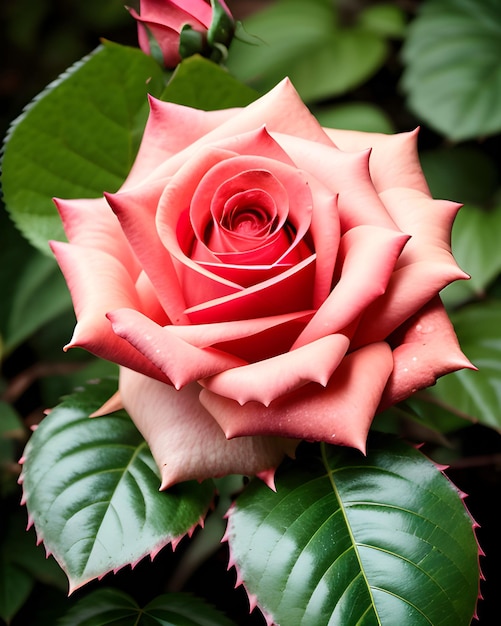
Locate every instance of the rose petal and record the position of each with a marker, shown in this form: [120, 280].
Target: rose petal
[205, 335]
[180, 361]
[409, 289]
[425, 266]
[341, 413]
[368, 255]
[98, 283]
[346, 175]
[426, 348]
[159, 144]
[186, 442]
[231, 124]
[429, 221]
[136, 211]
[271, 378]
[91, 223]
[290, 291]
[394, 158]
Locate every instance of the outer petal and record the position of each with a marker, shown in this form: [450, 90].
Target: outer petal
[425, 266]
[394, 159]
[427, 348]
[341, 413]
[136, 211]
[185, 440]
[269, 379]
[98, 283]
[266, 111]
[91, 223]
[159, 143]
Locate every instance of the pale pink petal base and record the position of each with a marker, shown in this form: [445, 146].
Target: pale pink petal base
[186, 441]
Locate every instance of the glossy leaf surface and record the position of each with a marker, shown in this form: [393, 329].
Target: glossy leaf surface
[91, 489]
[383, 540]
[107, 607]
[453, 74]
[77, 139]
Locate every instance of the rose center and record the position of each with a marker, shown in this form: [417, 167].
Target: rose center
[250, 213]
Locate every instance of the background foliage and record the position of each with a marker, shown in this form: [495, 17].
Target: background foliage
[379, 66]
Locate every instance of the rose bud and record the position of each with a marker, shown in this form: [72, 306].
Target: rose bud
[262, 280]
[175, 29]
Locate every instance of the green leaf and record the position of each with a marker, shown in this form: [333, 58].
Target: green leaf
[352, 540]
[461, 173]
[355, 116]
[199, 83]
[387, 20]
[41, 295]
[453, 75]
[78, 138]
[15, 587]
[303, 40]
[33, 289]
[21, 551]
[91, 489]
[477, 394]
[112, 606]
[475, 241]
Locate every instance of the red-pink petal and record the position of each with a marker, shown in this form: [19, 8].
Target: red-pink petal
[288, 292]
[136, 211]
[186, 442]
[180, 361]
[345, 174]
[98, 283]
[91, 223]
[426, 348]
[159, 144]
[341, 413]
[271, 378]
[205, 335]
[367, 255]
[394, 158]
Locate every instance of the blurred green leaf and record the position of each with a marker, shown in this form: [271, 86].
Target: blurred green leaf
[452, 76]
[347, 539]
[461, 173]
[41, 295]
[475, 242]
[77, 139]
[355, 116]
[305, 42]
[15, 587]
[387, 20]
[107, 607]
[23, 551]
[91, 489]
[32, 287]
[22, 563]
[200, 83]
[477, 394]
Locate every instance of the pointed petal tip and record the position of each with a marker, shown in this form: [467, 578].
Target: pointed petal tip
[268, 477]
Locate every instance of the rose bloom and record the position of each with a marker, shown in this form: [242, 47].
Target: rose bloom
[164, 19]
[261, 280]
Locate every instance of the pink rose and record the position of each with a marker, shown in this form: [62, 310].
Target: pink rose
[164, 20]
[261, 280]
